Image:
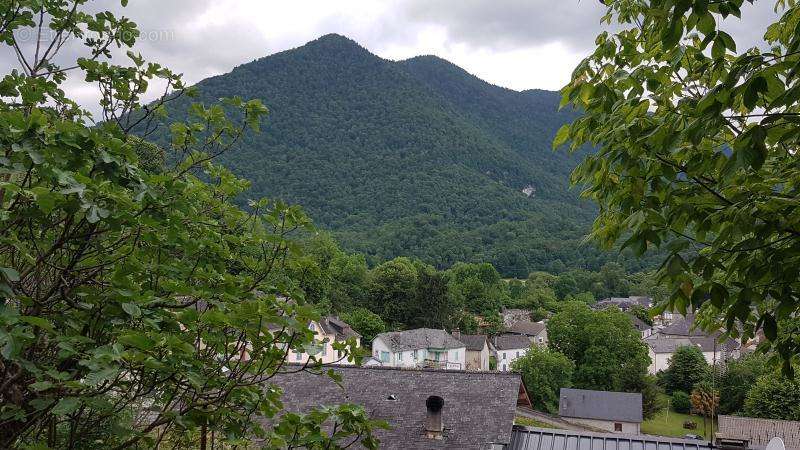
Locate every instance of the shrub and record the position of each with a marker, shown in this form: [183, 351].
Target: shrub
[681, 402]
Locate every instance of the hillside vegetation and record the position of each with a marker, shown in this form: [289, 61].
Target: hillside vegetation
[412, 158]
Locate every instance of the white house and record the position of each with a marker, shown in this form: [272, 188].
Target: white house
[617, 412]
[508, 348]
[423, 347]
[661, 349]
[327, 331]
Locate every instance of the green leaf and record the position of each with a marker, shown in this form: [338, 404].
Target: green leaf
[561, 136]
[770, 327]
[132, 309]
[66, 406]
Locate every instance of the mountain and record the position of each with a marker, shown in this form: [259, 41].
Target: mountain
[414, 157]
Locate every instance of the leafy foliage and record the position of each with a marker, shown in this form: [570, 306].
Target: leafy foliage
[681, 402]
[774, 397]
[738, 378]
[687, 367]
[697, 155]
[137, 302]
[545, 372]
[606, 348]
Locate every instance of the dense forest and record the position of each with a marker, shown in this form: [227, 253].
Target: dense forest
[414, 158]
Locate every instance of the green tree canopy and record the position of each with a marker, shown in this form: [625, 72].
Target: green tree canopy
[137, 300]
[365, 322]
[697, 142]
[606, 348]
[774, 397]
[687, 367]
[545, 372]
[738, 377]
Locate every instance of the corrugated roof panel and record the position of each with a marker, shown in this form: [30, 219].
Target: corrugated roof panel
[525, 438]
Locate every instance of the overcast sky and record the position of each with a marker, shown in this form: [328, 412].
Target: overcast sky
[520, 44]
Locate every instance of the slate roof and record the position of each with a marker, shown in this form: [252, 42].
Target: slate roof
[527, 328]
[512, 341]
[683, 326]
[601, 405]
[479, 407]
[665, 344]
[401, 341]
[760, 431]
[525, 438]
[624, 303]
[335, 325]
[639, 324]
[473, 342]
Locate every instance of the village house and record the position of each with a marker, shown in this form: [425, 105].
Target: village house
[478, 351]
[536, 332]
[424, 408]
[643, 328]
[422, 347]
[327, 331]
[682, 332]
[617, 412]
[510, 347]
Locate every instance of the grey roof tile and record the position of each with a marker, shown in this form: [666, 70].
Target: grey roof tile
[512, 341]
[479, 407]
[602, 405]
[400, 341]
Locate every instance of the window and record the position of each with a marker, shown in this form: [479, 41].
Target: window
[415, 355]
[298, 356]
[618, 427]
[384, 356]
[504, 357]
[517, 354]
[400, 356]
[311, 327]
[324, 349]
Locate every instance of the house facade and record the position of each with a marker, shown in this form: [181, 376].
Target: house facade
[423, 347]
[509, 348]
[616, 412]
[681, 333]
[477, 350]
[327, 331]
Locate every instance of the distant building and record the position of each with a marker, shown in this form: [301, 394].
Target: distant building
[328, 330]
[511, 316]
[683, 332]
[661, 349]
[644, 329]
[535, 331]
[624, 303]
[510, 347]
[758, 432]
[525, 438]
[617, 412]
[425, 409]
[478, 352]
[422, 347]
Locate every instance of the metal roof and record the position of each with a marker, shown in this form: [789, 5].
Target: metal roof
[526, 438]
[600, 405]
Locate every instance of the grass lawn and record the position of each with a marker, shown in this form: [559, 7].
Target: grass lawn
[528, 422]
[670, 423]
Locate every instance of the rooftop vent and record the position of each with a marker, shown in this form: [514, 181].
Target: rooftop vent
[392, 397]
[433, 419]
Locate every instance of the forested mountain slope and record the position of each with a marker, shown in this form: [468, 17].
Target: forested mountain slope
[415, 158]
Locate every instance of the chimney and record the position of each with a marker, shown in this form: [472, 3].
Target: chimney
[456, 333]
[433, 420]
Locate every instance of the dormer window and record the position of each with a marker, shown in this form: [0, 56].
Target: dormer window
[312, 327]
